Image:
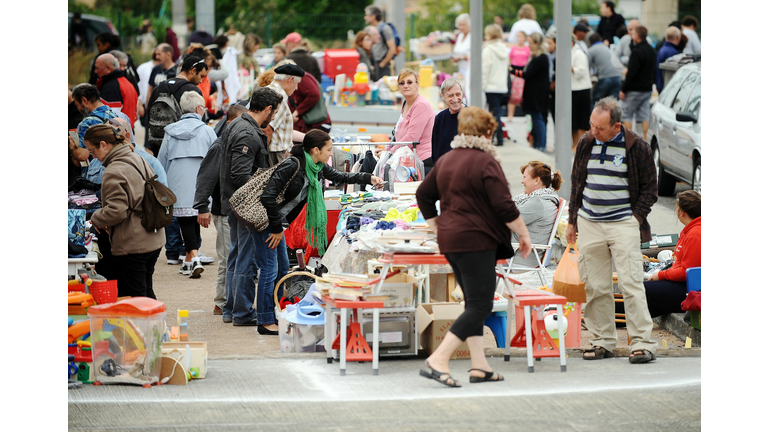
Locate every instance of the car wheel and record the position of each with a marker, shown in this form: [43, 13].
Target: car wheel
[696, 180]
[666, 182]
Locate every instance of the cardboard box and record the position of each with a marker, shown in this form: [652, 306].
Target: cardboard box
[401, 289]
[199, 352]
[442, 49]
[434, 320]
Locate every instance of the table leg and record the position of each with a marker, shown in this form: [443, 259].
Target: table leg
[384, 272]
[376, 341]
[343, 344]
[328, 337]
[528, 338]
[510, 306]
[561, 335]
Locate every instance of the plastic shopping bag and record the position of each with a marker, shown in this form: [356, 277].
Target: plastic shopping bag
[566, 281]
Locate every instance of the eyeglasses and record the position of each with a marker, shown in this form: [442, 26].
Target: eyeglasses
[402, 83]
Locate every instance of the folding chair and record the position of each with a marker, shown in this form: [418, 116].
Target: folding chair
[542, 252]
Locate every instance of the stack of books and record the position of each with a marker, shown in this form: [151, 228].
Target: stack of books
[348, 286]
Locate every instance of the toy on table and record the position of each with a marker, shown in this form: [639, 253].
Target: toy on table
[550, 321]
[78, 303]
[180, 332]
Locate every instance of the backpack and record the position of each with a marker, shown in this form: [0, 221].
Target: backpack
[394, 32]
[157, 204]
[165, 110]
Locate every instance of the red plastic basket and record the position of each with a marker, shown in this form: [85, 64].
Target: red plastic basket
[104, 292]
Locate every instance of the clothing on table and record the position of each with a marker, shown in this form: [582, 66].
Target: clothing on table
[538, 209]
[282, 123]
[444, 130]
[416, 125]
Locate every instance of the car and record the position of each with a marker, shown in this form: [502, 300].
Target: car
[674, 130]
[93, 25]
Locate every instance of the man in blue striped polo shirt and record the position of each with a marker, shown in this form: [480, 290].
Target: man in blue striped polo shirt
[613, 186]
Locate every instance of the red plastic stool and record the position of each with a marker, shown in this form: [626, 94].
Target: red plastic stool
[534, 335]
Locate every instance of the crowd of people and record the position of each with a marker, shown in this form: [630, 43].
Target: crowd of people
[175, 96]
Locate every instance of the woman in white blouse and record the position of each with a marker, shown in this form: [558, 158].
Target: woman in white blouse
[581, 85]
[461, 48]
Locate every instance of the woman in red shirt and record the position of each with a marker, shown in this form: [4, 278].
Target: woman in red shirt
[667, 289]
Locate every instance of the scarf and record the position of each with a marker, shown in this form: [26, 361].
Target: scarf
[477, 142]
[522, 198]
[316, 216]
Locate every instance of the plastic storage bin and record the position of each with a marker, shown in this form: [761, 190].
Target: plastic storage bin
[340, 61]
[127, 341]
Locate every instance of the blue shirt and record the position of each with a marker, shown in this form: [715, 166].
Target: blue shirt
[666, 51]
[95, 170]
[157, 167]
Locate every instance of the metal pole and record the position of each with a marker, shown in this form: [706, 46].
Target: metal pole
[204, 16]
[475, 54]
[413, 32]
[563, 141]
[397, 15]
[179, 26]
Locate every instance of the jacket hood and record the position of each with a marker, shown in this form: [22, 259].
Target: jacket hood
[186, 128]
[695, 223]
[497, 48]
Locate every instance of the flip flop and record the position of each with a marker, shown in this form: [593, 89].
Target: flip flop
[600, 353]
[489, 376]
[435, 375]
[645, 356]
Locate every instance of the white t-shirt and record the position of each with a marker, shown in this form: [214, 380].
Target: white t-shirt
[694, 44]
[462, 46]
[524, 25]
[144, 71]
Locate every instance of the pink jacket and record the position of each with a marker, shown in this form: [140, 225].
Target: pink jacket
[417, 126]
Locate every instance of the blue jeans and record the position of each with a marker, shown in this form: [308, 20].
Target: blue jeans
[606, 87]
[494, 106]
[274, 265]
[538, 130]
[242, 271]
[174, 244]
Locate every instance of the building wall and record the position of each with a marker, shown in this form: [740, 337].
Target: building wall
[657, 14]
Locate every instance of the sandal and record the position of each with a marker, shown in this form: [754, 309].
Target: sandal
[489, 376]
[641, 356]
[599, 353]
[435, 375]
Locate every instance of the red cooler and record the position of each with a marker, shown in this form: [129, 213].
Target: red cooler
[341, 61]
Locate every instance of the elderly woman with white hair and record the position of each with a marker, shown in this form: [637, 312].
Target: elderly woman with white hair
[461, 48]
[184, 146]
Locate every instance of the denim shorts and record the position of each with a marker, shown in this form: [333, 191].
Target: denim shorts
[637, 105]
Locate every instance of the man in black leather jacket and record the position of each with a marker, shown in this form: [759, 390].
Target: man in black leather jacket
[244, 151]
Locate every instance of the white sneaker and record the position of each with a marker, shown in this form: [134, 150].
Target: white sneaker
[174, 261]
[196, 269]
[186, 269]
[205, 260]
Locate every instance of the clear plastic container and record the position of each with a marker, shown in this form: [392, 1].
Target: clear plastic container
[127, 341]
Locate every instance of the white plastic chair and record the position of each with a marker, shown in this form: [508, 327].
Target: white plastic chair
[542, 252]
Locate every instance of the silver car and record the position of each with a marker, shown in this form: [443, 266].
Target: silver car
[674, 131]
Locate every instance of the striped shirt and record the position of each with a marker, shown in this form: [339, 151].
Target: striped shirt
[606, 193]
[282, 123]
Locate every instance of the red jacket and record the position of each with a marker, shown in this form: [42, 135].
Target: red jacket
[687, 252]
[305, 97]
[117, 92]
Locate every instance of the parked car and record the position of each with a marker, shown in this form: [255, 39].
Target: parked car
[93, 25]
[674, 130]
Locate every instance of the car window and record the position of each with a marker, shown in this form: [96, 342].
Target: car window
[670, 90]
[685, 91]
[694, 101]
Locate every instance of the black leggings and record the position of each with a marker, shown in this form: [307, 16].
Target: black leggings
[476, 274]
[190, 232]
[663, 297]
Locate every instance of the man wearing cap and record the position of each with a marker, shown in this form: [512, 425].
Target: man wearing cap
[280, 129]
[298, 53]
[581, 31]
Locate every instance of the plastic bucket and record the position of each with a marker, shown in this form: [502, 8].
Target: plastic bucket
[104, 292]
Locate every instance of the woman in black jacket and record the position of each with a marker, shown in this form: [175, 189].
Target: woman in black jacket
[536, 90]
[300, 179]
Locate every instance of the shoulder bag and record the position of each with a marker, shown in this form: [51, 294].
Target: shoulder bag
[246, 201]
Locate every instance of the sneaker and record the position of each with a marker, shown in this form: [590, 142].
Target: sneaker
[174, 261]
[205, 260]
[195, 269]
[185, 269]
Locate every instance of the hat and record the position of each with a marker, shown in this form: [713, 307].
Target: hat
[306, 315]
[290, 69]
[581, 27]
[292, 37]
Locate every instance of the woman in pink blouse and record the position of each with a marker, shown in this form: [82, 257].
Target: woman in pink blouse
[416, 118]
[518, 58]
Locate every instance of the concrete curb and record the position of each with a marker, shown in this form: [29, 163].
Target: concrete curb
[673, 323]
